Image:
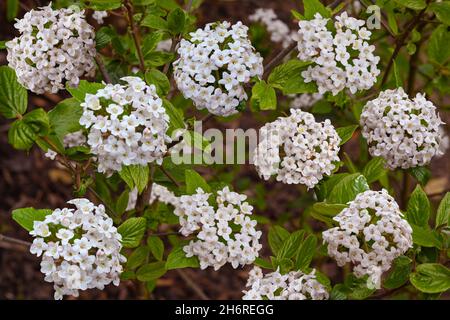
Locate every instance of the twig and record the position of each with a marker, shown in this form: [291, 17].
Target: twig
[400, 42]
[405, 188]
[192, 284]
[278, 58]
[161, 234]
[170, 176]
[135, 34]
[102, 68]
[15, 241]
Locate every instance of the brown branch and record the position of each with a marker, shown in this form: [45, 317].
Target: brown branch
[135, 34]
[278, 58]
[400, 42]
[192, 284]
[168, 175]
[102, 68]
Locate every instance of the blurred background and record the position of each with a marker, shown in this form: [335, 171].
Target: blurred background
[30, 179]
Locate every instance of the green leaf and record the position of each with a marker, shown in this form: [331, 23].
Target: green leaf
[151, 271]
[345, 133]
[277, 235]
[339, 292]
[83, 88]
[175, 115]
[135, 176]
[150, 41]
[443, 211]
[103, 37]
[397, 77]
[306, 252]
[122, 202]
[155, 22]
[132, 231]
[12, 9]
[421, 174]
[2, 44]
[325, 212]
[13, 97]
[431, 278]
[357, 288]
[176, 20]
[315, 6]
[412, 4]
[156, 247]
[374, 169]
[65, 117]
[25, 217]
[418, 208]
[102, 5]
[442, 11]
[138, 257]
[287, 77]
[425, 237]
[159, 80]
[290, 245]
[263, 96]
[24, 132]
[262, 263]
[177, 259]
[193, 181]
[438, 48]
[399, 274]
[347, 189]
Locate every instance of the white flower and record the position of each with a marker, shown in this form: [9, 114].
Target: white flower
[370, 235]
[278, 30]
[86, 255]
[305, 101]
[127, 125]
[406, 133]
[295, 285]
[159, 193]
[99, 16]
[310, 149]
[214, 66]
[55, 46]
[341, 58]
[225, 231]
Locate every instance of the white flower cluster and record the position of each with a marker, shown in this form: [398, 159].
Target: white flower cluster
[295, 285]
[406, 133]
[127, 125]
[54, 46]
[343, 60]
[278, 30]
[371, 234]
[98, 16]
[226, 233]
[306, 100]
[214, 66]
[159, 193]
[309, 149]
[80, 248]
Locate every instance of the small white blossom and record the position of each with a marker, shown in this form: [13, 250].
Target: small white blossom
[226, 232]
[127, 125]
[278, 30]
[99, 16]
[159, 193]
[305, 101]
[406, 133]
[341, 58]
[370, 235]
[309, 149]
[214, 66]
[82, 250]
[54, 46]
[295, 285]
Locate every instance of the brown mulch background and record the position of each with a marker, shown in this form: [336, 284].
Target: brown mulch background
[29, 179]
